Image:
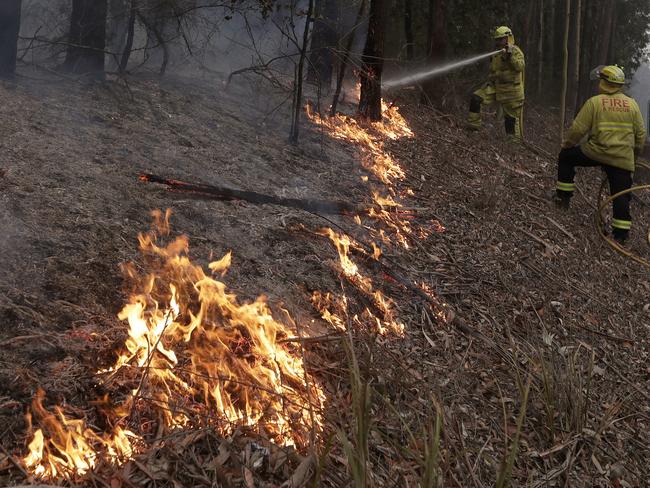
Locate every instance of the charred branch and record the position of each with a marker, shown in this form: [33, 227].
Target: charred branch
[210, 192]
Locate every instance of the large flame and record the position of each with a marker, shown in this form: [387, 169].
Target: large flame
[203, 350]
[194, 356]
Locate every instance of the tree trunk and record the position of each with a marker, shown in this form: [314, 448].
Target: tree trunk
[587, 44]
[613, 21]
[128, 46]
[323, 43]
[85, 54]
[565, 68]
[576, 56]
[373, 63]
[551, 55]
[9, 28]
[540, 49]
[117, 27]
[154, 32]
[432, 91]
[606, 28]
[297, 89]
[346, 58]
[408, 29]
[527, 33]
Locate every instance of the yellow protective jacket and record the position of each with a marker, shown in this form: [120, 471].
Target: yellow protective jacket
[615, 127]
[507, 76]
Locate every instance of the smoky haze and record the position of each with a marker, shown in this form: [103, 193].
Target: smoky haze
[214, 38]
[640, 89]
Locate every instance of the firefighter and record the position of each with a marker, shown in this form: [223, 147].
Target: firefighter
[616, 136]
[505, 86]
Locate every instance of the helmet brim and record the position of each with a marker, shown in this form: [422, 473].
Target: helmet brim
[597, 74]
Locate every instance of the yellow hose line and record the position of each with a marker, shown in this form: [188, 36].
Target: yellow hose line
[599, 222]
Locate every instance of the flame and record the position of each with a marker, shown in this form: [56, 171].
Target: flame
[369, 138]
[70, 448]
[325, 303]
[194, 354]
[204, 351]
[364, 284]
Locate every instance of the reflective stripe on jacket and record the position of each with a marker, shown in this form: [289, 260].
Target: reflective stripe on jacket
[507, 75]
[615, 127]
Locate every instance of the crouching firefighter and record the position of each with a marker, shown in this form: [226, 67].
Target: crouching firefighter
[616, 133]
[505, 86]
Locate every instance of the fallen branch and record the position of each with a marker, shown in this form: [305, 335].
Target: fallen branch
[549, 247]
[209, 192]
[564, 231]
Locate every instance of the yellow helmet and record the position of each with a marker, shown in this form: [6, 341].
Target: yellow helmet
[502, 31]
[612, 74]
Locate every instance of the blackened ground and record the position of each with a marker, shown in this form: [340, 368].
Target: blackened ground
[548, 299]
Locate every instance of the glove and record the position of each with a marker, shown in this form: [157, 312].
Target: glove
[507, 51]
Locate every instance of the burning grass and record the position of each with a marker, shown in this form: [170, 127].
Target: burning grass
[194, 356]
[369, 138]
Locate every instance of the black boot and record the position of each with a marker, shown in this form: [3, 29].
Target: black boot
[620, 235]
[562, 200]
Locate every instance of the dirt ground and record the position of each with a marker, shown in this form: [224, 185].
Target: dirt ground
[546, 297]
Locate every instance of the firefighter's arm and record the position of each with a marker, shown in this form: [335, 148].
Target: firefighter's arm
[581, 126]
[517, 59]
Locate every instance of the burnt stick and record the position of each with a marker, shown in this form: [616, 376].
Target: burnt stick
[210, 192]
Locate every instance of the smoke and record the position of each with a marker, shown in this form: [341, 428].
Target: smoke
[640, 90]
[414, 78]
[195, 35]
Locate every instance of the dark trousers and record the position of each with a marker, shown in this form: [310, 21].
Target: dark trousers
[619, 180]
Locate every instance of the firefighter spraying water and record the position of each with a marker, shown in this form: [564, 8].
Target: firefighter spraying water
[505, 85]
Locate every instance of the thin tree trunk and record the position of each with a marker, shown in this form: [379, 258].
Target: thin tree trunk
[605, 30]
[128, 46]
[550, 66]
[612, 26]
[297, 93]
[432, 91]
[152, 28]
[576, 57]
[323, 43]
[540, 48]
[9, 29]
[528, 26]
[588, 59]
[565, 68]
[373, 63]
[85, 54]
[408, 29]
[346, 58]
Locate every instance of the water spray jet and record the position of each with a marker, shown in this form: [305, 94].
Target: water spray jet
[429, 73]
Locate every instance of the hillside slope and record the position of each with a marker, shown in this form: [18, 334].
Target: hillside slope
[511, 290]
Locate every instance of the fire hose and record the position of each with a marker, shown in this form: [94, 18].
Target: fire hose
[599, 220]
